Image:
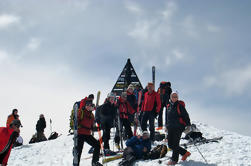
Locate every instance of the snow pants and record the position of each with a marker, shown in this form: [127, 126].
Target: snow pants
[148, 116]
[174, 135]
[106, 135]
[160, 117]
[91, 141]
[128, 130]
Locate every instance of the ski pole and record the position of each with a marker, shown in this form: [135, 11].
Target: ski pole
[101, 141]
[198, 149]
[51, 125]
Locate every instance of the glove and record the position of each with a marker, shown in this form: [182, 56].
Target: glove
[188, 129]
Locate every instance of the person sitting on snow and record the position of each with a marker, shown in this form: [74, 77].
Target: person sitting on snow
[40, 126]
[137, 148]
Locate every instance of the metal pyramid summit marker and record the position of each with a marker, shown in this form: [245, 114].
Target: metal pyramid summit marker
[128, 76]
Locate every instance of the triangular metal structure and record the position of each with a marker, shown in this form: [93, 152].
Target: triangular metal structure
[127, 76]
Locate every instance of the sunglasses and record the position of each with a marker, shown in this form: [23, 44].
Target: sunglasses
[91, 105]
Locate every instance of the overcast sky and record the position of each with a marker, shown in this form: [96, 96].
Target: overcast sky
[55, 52]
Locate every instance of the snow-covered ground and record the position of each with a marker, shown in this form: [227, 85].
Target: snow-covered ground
[232, 150]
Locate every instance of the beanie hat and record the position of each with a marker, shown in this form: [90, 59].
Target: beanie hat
[145, 133]
[91, 96]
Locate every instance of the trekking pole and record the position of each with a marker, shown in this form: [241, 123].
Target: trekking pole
[198, 149]
[51, 125]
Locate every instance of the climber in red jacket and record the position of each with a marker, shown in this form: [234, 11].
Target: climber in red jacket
[8, 137]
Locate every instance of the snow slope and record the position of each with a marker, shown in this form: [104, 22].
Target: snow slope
[232, 150]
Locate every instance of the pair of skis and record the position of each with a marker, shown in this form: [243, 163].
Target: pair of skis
[200, 142]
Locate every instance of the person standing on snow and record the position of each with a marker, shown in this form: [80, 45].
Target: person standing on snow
[131, 99]
[40, 126]
[136, 91]
[175, 126]
[150, 109]
[11, 117]
[8, 137]
[86, 121]
[164, 91]
[125, 110]
[106, 116]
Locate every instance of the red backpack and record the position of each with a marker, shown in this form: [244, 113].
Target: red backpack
[180, 102]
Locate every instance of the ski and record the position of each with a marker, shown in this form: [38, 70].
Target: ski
[100, 140]
[97, 104]
[98, 97]
[200, 142]
[108, 159]
[101, 155]
[153, 75]
[120, 130]
[75, 138]
[137, 114]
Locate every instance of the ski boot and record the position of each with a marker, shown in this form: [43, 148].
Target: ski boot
[108, 152]
[96, 163]
[91, 150]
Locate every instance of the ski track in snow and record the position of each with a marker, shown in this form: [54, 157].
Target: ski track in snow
[232, 150]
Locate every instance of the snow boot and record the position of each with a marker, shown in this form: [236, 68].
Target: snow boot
[124, 163]
[96, 163]
[91, 150]
[108, 152]
[159, 128]
[184, 157]
[171, 162]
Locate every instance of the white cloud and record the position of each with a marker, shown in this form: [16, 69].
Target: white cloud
[190, 27]
[134, 8]
[178, 54]
[213, 28]
[34, 43]
[3, 55]
[152, 28]
[171, 8]
[141, 30]
[6, 20]
[234, 81]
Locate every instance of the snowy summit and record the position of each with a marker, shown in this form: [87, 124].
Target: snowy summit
[233, 150]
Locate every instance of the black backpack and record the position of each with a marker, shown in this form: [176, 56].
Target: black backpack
[53, 135]
[158, 152]
[159, 137]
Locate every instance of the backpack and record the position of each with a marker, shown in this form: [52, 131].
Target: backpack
[72, 116]
[159, 137]
[158, 152]
[53, 135]
[163, 87]
[194, 134]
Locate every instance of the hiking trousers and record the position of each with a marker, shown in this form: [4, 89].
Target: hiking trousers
[148, 116]
[160, 117]
[128, 130]
[91, 141]
[106, 135]
[174, 135]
